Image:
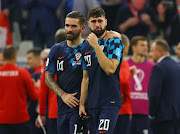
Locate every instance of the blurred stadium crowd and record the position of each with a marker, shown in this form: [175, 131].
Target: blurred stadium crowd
[36, 21]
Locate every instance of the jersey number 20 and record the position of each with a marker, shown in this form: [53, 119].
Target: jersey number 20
[104, 124]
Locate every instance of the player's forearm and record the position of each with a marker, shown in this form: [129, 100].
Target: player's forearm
[105, 63]
[152, 27]
[111, 34]
[84, 91]
[84, 94]
[52, 84]
[128, 23]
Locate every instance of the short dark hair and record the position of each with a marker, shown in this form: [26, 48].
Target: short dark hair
[163, 44]
[125, 40]
[60, 35]
[135, 39]
[96, 12]
[77, 15]
[9, 52]
[36, 51]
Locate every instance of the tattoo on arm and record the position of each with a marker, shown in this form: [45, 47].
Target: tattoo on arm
[52, 84]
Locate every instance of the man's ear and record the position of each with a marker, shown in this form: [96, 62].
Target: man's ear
[106, 21]
[132, 47]
[83, 27]
[160, 51]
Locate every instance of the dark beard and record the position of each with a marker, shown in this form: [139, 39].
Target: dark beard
[75, 36]
[99, 33]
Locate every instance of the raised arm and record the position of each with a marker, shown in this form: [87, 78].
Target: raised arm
[146, 18]
[111, 34]
[33, 91]
[108, 65]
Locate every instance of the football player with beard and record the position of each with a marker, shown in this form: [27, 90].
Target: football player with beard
[100, 86]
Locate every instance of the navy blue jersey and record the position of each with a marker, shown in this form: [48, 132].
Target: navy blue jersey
[66, 62]
[103, 88]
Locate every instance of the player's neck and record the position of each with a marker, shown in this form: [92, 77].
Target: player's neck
[10, 62]
[75, 42]
[37, 66]
[102, 35]
[138, 59]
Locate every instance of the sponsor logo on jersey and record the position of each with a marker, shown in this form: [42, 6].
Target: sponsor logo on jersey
[60, 58]
[76, 63]
[87, 52]
[112, 102]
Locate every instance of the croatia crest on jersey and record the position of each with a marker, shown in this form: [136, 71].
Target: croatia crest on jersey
[78, 55]
[77, 61]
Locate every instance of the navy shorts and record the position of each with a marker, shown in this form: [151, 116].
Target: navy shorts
[140, 124]
[103, 120]
[67, 123]
[22, 128]
[122, 124]
[52, 126]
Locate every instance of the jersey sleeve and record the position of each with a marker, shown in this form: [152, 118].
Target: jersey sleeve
[32, 91]
[84, 64]
[115, 49]
[51, 60]
[84, 67]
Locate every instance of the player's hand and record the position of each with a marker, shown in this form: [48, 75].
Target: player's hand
[43, 119]
[111, 34]
[132, 70]
[93, 40]
[37, 83]
[132, 21]
[146, 19]
[70, 100]
[123, 101]
[123, 27]
[6, 12]
[82, 110]
[37, 123]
